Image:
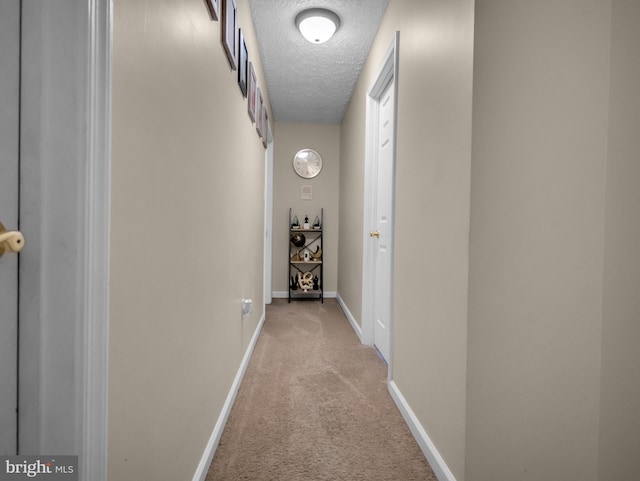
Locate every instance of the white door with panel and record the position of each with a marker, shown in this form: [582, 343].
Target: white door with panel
[383, 257]
[9, 168]
[54, 183]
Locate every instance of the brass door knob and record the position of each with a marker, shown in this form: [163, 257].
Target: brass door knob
[10, 241]
[374, 233]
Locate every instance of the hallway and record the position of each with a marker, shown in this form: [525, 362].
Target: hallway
[142, 190]
[515, 275]
[314, 405]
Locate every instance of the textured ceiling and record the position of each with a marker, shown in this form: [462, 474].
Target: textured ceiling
[308, 82]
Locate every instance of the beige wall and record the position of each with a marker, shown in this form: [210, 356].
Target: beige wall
[432, 210]
[553, 341]
[352, 133]
[547, 343]
[620, 393]
[187, 230]
[537, 224]
[324, 139]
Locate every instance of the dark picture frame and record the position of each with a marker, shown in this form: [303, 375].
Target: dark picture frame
[213, 7]
[265, 125]
[251, 88]
[259, 108]
[243, 58]
[229, 27]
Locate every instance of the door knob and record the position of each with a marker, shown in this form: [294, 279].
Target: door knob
[11, 241]
[374, 233]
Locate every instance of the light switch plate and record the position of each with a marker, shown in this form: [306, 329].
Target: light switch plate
[306, 192]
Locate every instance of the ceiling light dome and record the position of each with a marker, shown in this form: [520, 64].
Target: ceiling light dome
[317, 25]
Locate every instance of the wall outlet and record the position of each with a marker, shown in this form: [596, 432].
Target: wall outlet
[247, 307]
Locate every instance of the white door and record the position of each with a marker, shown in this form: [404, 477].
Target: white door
[54, 153]
[9, 127]
[383, 257]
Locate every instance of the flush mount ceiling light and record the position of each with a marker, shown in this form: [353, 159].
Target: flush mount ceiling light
[317, 25]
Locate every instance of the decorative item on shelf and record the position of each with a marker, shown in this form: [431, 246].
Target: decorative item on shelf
[298, 239]
[307, 255]
[306, 221]
[296, 223]
[305, 281]
[294, 284]
[316, 283]
[317, 255]
[316, 223]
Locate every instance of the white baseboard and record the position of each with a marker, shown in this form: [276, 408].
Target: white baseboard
[285, 294]
[438, 465]
[214, 440]
[352, 320]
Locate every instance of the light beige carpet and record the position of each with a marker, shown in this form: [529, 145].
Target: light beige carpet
[314, 405]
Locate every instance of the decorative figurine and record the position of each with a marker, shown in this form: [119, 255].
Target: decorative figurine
[298, 239]
[316, 223]
[306, 221]
[305, 281]
[296, 223]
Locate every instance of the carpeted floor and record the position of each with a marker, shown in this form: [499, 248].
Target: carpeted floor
[314, 405]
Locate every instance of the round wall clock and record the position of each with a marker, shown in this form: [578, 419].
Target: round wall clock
[307, 163]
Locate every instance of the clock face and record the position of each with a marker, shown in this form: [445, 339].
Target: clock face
[307, 163]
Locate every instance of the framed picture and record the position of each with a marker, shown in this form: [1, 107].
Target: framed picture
[229, 27]
[213, 5]
[259, 108]
[251, 92]
[243, 58]
[265, 126]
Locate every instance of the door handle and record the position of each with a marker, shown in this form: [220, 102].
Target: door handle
[10, 241]
[374, 233]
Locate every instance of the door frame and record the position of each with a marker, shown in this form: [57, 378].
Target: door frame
[97, 194]
[68, 194]
[387, 72]
[268, 219]
[9, 175]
